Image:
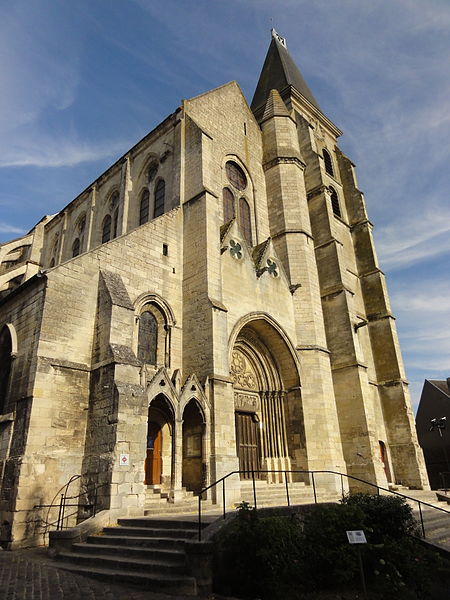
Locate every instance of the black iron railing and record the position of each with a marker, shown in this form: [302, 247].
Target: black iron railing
[66, 501]
[310, 474]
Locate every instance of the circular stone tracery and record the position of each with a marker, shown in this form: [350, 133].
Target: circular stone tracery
[236, 175]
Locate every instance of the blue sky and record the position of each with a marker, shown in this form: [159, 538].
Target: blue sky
[83, 81]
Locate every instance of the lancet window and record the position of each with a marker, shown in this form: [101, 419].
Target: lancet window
[335, 202]
[148, 338]
[328, 162]
[234, 204]
[5, 366]
[144, 207]
[160, 192]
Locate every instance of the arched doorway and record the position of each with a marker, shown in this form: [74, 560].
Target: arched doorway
[160, 431]
[267, 402]
[385, 460]
[193, 431]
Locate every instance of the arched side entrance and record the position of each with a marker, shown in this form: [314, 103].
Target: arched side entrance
[267, 402]
[193, 471]
[160, 442]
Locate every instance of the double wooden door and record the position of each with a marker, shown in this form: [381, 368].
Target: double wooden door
[248, 444]
[153, 461]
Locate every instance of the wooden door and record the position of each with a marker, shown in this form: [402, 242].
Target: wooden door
[248, 445]
[153, 461]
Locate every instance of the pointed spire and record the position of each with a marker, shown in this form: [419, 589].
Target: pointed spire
[279, 72]
[275, 107]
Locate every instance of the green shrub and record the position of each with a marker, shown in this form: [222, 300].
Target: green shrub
[384, 516]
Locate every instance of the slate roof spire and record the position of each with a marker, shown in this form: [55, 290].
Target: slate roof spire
[279, 72]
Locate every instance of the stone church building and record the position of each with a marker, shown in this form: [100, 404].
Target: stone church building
[211, 303]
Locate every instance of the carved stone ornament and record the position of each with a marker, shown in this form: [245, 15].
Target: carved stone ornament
[240, 373]
[247, 402]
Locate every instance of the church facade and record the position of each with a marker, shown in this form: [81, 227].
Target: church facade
[211, 303]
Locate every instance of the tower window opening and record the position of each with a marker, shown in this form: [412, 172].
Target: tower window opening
[165, 250]
[328, 162]
[335, 202]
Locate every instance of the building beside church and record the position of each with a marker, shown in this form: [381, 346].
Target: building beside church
[211, 303]
[433, 424]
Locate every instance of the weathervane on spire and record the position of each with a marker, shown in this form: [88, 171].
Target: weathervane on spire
[278, 37]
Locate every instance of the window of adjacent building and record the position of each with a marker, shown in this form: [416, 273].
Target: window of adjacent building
[228, 205]
[76, 248]
[106, 229]
[144, 207]
[147, 338]
[5, 366]
[335, 202]
[160, 192]
[245, 223]
[328, 162]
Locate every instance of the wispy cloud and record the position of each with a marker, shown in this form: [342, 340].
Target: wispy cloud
[5, 228]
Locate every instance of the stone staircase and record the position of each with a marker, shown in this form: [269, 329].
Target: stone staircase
[436, 522]
[274, 494]
[157, 502]
[145, 551]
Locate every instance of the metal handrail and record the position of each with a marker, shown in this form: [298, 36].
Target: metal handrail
[63, 504]
[379, 488]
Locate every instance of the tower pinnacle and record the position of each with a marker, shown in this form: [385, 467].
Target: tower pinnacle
[279, 72]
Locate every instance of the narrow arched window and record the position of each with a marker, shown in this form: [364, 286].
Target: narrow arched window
[76, 248]
[245, 222]
[228, 205]
[106, 229]
[335, 202]
[144, 207]
[5, 367]
[115, 223]
[147, 338]
[160, 192]
[328, 162]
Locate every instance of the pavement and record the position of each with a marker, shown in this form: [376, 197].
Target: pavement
[31, 575]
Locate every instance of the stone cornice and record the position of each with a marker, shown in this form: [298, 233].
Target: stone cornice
[284, 160]
[290, 231]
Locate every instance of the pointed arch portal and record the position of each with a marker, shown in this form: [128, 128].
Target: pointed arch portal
[267, 400]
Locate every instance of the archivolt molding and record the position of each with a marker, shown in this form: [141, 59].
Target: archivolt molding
[12, 332]
[153, 298]
[262, 347]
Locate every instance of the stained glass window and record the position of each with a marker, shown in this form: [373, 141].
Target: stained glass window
[245, 220]
[144, 207]
[236, 175]
[147, 338]
[5, 366]
[160, 191]
[76, 247]
[228, 205]
[106, 229]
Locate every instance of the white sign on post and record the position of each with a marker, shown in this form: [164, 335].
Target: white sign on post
[356, 537]
[124, 460]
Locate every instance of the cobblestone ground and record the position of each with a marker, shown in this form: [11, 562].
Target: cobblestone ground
[31, 575]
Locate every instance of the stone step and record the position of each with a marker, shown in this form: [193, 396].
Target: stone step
[148, 532]
[167, 584]
[157, 523]
[93, 549]
[163, 543]
[124, 563]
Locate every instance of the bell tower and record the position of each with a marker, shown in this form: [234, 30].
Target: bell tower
[320, 229]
